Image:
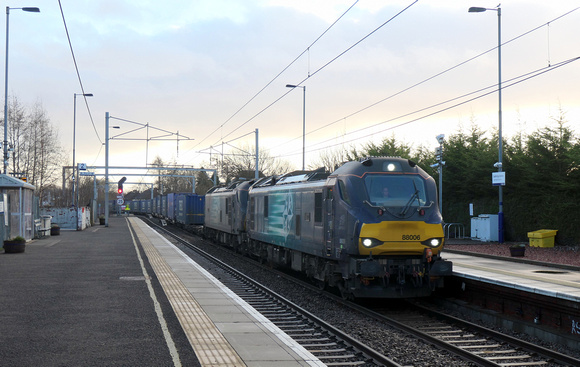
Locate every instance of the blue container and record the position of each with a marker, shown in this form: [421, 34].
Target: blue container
[171, 200]
[189, 209]
[142, 204]
[134, 205]
[163, 208]
[157, 206]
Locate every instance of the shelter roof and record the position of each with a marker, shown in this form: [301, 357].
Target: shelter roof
[11, 182]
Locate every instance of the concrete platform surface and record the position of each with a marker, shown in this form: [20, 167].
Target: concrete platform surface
[81, 299]
[552, 282]
[123, 295]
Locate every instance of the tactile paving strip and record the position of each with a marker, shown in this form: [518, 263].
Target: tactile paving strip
[209, 344]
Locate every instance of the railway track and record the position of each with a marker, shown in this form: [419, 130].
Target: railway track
[478, 344]
[330, 345]
[474, 344]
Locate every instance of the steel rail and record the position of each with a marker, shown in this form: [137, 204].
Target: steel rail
[533, 348]
[441, 344]
[372, 354]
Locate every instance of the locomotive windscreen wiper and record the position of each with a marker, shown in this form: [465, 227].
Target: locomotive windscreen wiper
[414, 197]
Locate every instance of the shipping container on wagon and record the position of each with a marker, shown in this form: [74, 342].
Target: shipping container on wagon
[163, 208]
[189, 209]
[133, 205]
[156, 206]
[171, 204]
[141, 206]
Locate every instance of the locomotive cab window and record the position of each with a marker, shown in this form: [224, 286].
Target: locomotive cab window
[343, 193]
[396, 190]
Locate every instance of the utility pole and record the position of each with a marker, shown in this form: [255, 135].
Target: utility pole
[439, 165]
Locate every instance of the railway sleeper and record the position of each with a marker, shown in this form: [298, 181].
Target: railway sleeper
[301, 333]
[345, 356]
[485, 346]
[319, 345]
[523, 356]
[341, 350]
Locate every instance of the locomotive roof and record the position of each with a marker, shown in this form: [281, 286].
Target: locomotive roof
[356, 168]
[236, 184]
[293, 177]
[378, 164]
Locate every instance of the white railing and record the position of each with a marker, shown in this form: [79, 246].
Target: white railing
[454, 230]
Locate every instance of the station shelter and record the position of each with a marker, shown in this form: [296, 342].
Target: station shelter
[16, 208]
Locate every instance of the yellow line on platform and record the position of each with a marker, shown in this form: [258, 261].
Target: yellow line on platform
[209, 344]
[162, 322]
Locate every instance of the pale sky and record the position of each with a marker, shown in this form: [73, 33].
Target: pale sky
[189, 66]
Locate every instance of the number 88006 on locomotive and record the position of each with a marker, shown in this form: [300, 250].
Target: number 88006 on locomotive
[372, 228]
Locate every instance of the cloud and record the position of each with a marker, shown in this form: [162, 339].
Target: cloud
[190, 65]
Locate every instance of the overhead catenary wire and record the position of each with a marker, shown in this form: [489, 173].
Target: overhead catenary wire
[229, 141]
[509, 83]
[167, 136]
[323, 67]
[78, 72]
[315, 72]
[307, 50]
[146, 125]
[398, 93]
[547, 24]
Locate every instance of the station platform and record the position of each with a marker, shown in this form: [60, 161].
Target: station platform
[548, 281]
[124, 295]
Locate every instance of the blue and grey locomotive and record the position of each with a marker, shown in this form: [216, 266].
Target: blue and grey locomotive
[225, 213]
[372, 228]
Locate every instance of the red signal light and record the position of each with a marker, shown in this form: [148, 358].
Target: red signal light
[120, 190]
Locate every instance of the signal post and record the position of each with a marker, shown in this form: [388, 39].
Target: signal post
[120, 194]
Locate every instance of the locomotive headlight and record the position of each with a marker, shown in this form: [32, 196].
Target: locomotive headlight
[392, 167]
[433, 242]
[371, 242]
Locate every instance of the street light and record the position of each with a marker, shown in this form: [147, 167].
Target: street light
[439, 165]
[5, 145]
[303, 121]
[499, 164]
[75, 168]
[107, 127]
[106, 169]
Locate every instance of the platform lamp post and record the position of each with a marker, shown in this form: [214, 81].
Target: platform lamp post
[107, 167]
[499, 164]
[5, 144]
[303, 121]
[439, 165]
[75, 168]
